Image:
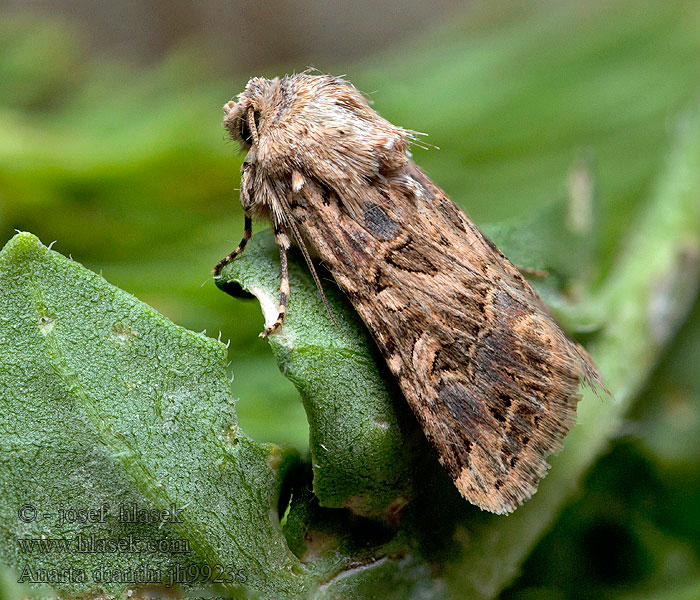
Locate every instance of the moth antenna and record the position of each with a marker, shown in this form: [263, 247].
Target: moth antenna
[251, 125]
[305, 253]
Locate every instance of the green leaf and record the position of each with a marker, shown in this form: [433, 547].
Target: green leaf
[363, 438]
[105, 403]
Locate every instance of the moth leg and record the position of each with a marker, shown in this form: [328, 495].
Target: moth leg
[283, 243]
[247, 233]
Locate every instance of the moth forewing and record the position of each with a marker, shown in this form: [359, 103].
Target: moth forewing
[490, 376]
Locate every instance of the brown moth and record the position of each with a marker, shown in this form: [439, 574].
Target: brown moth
[490, 376]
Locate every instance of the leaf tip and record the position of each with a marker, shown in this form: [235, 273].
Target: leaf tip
[22, 245]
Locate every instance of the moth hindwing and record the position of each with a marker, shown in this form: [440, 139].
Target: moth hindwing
[490, 376]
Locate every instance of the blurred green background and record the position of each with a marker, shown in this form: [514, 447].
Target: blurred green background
[111, 144]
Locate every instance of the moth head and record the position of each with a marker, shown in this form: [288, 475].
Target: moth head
[318, 127]
[243, 119]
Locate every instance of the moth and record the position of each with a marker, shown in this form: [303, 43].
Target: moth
[490, 376]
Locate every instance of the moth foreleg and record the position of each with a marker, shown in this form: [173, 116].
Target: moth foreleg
[283, 243]
[247, 233]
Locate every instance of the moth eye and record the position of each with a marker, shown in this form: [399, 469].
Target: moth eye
[244, 127]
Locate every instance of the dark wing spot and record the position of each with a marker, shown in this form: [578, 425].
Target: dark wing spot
[379, 224]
